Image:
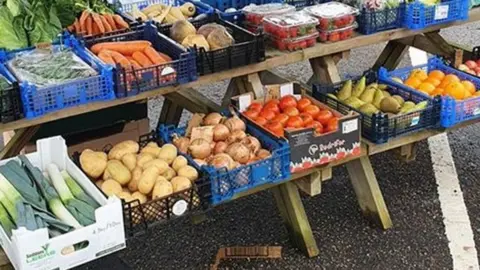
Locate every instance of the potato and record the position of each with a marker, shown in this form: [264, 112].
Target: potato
[147, 180]
[152, 150]
[136, 174]
[162, 188]
[111, 187]
[188, 172]
[106, 175]
[125, 195]
[179, 162]
[99, 183]
[93, 163]
[159, 163]
[125, 147]
[168, 153]
[160, 179]
[169, 174]
[143, 158]
[139, 196]
[152, 144]
[180, 183]
[130, 161]
[124, 189]
[119, 172]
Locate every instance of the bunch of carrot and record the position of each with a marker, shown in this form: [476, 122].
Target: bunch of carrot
[130, 54]
[91, 23]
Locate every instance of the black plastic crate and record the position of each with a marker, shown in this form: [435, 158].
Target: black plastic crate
[138, 218]
[380, 127]
[11, 108]
[371, 21]
[249, 48]
[133, 82]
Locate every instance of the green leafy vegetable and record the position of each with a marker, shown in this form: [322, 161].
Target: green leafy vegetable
[12, 34]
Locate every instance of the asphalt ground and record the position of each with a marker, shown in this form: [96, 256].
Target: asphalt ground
[345, 238]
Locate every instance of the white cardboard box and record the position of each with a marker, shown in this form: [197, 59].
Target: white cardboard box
[35, 250]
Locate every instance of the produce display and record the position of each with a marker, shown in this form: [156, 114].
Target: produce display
[375, 98]
[336, 34]
[134, 55]
[144, 174]
[254, 14]
[291, 112]
[333, 15]
[93, 23]
[437, 83]
[221, 142]
[291, 25]
[49, 67]
[34, 200]
[293, 44]
[471, 67]
[210, 37]
[162, 13]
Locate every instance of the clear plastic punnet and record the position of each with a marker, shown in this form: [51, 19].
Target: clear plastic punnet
[254, 14]
[337, 34]
[333, 15]
[290, 25]
[293, 44]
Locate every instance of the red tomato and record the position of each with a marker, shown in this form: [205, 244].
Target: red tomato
[261, 121]
[257, 106]
[272, 101]
[324, 23]
[281, 118]
[332, 124]
[267, 114]
[311, 109]
[276, 128]
[317, 126]
[306, 118]
[294, 122]
[291, 111]
[323, 116]
[302, 103]
[251, 113]
[271, 107]
[287, 101]
[293, 32]
[334, 36]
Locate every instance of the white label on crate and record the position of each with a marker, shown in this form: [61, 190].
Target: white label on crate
[349, 126]
[476, 111]
[415, 120]
[244, 101]
[286, 89]
[441, 12]
[179, 208]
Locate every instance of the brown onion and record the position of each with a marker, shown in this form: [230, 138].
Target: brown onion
[212, 145]
[181, 143]
[236, 136]
[220, 132]
[235, 123]
[222, 160]
[200, 148]
[220, 147]
[200, 162]
[252, 143]
[212, 119]
[263, 154]
[238, 152]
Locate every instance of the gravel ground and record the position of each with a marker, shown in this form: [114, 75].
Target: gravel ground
[344, 237]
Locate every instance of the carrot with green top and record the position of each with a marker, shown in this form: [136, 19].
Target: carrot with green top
[110, 21]
[98, 22]
[107, 26]
[88, 23]
[120, 22]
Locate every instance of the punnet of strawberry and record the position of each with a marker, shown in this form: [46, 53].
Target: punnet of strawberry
[290, 25]
[333, 15]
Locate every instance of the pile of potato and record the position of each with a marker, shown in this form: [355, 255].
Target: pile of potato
[144, 174]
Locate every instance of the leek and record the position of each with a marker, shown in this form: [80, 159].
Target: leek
[77, 191]
[5, 221]
[83, 213]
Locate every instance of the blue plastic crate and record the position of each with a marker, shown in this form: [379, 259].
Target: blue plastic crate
[371, 21]
[381, 127]
[419, 15]
[453, 111]
[238, 16]
[38, 101]
[225, 184]
[201, 8]
[133, 82]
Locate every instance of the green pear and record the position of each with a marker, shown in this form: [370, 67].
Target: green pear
[359, 87]
[407, 106]
[332, 96]
[389, 105]
[378, 98]
[399, 99]
[346, 91]
[368, 94]
[368, 109]
[386, 93]
[354, 102]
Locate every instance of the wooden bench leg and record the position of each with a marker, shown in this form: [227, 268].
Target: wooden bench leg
[391, 55]
[368, 192]
[170, 114]
[293, 213]
[18, 142]
[408, 152]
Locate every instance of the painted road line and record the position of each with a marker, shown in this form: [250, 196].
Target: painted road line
[455, 216]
